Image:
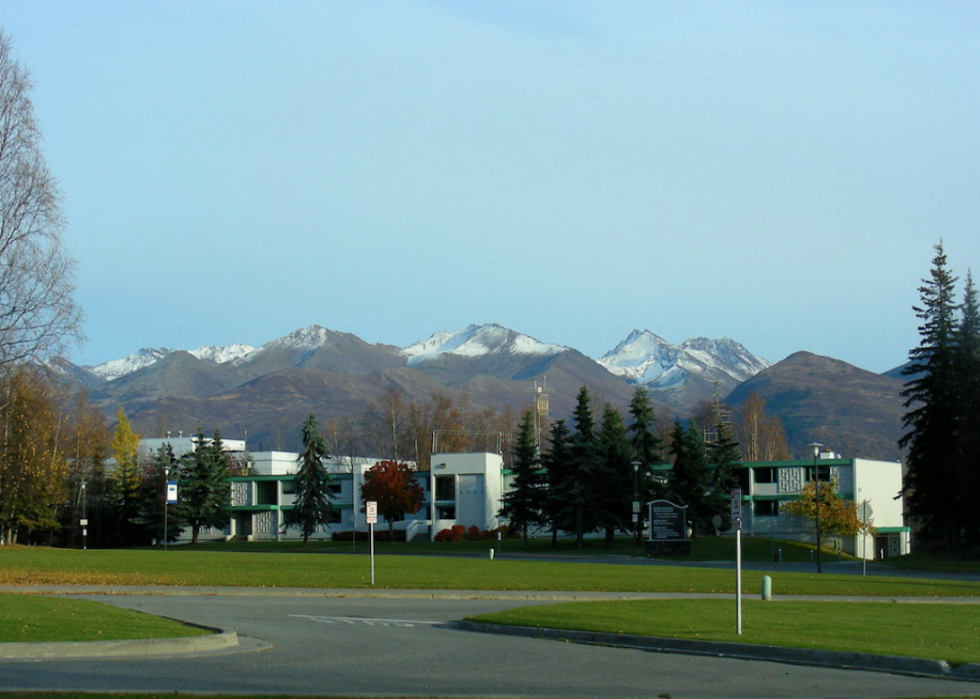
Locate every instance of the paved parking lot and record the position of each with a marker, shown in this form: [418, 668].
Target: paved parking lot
[297, 644]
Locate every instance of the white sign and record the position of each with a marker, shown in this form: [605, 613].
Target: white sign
[171, 491]
[736, 508]
[371, 509]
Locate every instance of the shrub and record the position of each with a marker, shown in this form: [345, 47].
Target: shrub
[454, 534]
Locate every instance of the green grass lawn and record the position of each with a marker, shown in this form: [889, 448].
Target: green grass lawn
[172, 695]
[720, 548]
[221, 567]
[943, 631]
[938, 631]
[32, 618]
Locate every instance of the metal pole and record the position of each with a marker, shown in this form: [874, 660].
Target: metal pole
[166, 485]
[816, 493]
[372, 552]
[738, 581]
[635, 508]
[84, 519]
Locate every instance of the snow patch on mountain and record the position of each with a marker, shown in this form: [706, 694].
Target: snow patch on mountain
[221, 355]
[647, 359]
[308, 338]
[115, 368]
[478, 341]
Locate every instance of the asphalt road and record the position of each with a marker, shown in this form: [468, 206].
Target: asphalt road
[410, 647]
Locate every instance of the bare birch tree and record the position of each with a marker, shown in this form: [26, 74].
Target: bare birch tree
[38, 313]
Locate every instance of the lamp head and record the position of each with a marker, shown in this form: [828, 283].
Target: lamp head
[815, 448]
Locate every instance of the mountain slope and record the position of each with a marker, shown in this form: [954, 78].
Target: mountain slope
[682, 375]
[315, 347]
[849, 410]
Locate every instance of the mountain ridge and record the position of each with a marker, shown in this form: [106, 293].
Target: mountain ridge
[264, 390]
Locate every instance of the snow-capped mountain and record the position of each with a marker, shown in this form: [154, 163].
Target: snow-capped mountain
[309, 338]
[220, 355]
[642, 358]
[117, 368]
[647, 359]
[478, 341]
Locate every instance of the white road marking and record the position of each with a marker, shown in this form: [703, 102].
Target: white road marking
[402, 623]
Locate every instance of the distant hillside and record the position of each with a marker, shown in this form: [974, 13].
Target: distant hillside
[819, 399]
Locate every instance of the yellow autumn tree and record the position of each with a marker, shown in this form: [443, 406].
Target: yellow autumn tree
[837, 516]
[125, 474]
[33, 465]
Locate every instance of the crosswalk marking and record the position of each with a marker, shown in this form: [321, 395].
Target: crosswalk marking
[401, 623]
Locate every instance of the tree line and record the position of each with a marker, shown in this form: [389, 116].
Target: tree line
[942, 419]
[593, 471]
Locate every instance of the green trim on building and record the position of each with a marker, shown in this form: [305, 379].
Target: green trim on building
[797, 463]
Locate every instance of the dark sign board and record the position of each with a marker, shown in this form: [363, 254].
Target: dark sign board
[668, 522]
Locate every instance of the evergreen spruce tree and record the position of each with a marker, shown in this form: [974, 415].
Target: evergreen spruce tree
[933, 412]
[967, 360]
[647, 451]
[690, 478]
[126, 480]
[524, 503]
[558, 463]
[647, 446]
[615, 478]
[724, 461]
[153, 495]
[313, 506]
[582, 478]
[205, 491]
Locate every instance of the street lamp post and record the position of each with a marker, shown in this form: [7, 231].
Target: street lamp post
[636, 505]
[84, 519]
[815, 446]
[166, 498]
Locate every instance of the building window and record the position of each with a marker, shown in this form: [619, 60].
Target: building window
[268, 492]
[289, 487]
[765, 475]
[823, 474]
[446, 489]
[334, 489]
[766, 508]
[446, 512]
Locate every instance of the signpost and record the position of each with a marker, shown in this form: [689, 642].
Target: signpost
[170, 499]
[736, 512]
[668, 529]
[864, 514]
[371, 510]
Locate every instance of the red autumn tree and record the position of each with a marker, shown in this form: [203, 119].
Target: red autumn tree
[391, 485]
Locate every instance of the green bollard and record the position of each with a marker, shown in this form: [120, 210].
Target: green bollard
[766, 588]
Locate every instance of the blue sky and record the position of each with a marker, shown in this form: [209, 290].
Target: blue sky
[773, 172]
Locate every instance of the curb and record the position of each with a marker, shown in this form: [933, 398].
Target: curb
[119, 649]
[896, 665]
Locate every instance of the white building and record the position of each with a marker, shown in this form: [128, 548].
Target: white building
[182, 445]
[768, 485]
[468, 488]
